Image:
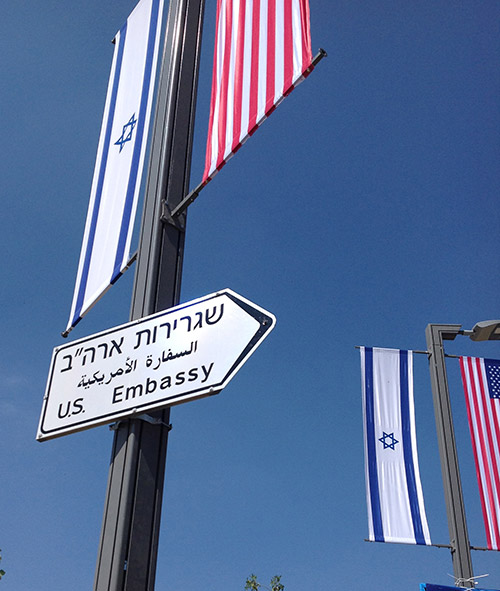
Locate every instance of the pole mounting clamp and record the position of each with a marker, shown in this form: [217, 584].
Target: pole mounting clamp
[143, 417]
[178, 221]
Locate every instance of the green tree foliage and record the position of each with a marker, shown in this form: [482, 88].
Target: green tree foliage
[2, 572]
[253, 585]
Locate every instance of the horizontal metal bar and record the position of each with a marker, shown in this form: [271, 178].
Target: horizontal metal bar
[421, 352]
[384, 542]
[479, 548]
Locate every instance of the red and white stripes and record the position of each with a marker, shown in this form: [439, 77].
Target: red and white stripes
[484, 421]
[262, 51]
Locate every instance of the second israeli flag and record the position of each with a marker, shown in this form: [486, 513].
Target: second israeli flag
[394, 496]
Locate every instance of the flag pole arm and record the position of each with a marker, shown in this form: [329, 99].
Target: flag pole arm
[423, 353]
[318, 57]
[186, 202]
[183, 205]
[448, 546]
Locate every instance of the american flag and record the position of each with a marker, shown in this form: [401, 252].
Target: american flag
[481, 380]
[262, 51]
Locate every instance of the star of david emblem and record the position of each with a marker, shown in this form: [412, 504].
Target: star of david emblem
[126, 136]
[389, 441]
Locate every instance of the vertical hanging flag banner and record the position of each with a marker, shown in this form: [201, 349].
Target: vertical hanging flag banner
[481, 380]
[262, 51]
[120, 157]
[394, 496]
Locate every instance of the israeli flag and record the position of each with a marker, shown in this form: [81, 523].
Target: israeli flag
[120, 158]
[394, 496]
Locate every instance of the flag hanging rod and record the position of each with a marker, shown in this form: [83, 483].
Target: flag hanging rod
[422, 352]
[186, 202]
[480, 548]
[406, 544]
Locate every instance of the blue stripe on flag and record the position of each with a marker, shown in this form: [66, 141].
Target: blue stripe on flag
[407, 448]
[102, 169]
[371, 448]
[141, 120]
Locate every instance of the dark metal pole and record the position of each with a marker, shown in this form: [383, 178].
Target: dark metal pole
[130, 532]
[455, 509]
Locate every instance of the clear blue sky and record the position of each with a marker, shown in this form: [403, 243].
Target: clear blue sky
[365, 208]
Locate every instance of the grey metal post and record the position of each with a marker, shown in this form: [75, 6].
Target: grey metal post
[455, 509]
[131, 523]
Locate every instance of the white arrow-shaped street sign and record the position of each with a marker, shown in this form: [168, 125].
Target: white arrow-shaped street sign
[183, 353]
